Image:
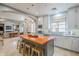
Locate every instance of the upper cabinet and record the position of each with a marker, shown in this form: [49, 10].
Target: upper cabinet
[77, 17]
[72, 18]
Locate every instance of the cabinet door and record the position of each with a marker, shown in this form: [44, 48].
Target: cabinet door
[56, 41]
[70, 18]
[77, 17]
[59, 42]
[75, 45]
[64, 42]
[68, 43]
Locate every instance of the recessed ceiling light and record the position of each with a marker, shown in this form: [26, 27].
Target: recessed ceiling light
[57, 15]
[45, 5]
[27, 8]
[33, 5]
[53, 9]
[37, 13]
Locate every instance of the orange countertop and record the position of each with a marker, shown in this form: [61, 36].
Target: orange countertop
[39, 39]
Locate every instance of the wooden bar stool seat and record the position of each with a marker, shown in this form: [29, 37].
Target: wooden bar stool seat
[37, 51]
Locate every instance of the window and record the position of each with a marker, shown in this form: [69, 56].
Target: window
[54, 27]
[58, 24]
[61, 26]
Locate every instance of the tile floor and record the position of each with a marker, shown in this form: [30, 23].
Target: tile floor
[9, 49]
[64, 52]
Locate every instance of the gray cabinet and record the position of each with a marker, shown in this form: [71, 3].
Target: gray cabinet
[77, 17]
[67, 42]
[75, 45]
[63, 42]
[58, 41]
[71, 18]
[71, 43]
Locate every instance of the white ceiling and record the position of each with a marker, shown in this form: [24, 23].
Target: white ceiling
[39, 9]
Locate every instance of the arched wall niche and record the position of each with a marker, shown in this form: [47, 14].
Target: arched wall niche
[30, 25]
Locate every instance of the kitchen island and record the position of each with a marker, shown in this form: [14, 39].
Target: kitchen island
[45, 42]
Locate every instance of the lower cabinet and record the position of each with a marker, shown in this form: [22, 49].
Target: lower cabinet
[58, 41]
[75, 45]
[67, 42]
[70, 43]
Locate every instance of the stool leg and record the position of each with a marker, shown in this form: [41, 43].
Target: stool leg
[18, 43]
[38, 53]
[23, 51]
[19, 49]
[2, 42]
[17, 46]
[29, 52]
[32, 53]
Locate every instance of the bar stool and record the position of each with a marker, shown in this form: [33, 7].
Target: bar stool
[18, 44]
[37, 51]
[27, 49]
[21, 47]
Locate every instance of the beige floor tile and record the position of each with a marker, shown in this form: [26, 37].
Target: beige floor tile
[63, 52]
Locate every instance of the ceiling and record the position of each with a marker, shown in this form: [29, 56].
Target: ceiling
[39, 9]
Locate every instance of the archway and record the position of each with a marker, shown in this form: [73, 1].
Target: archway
[30, 26]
